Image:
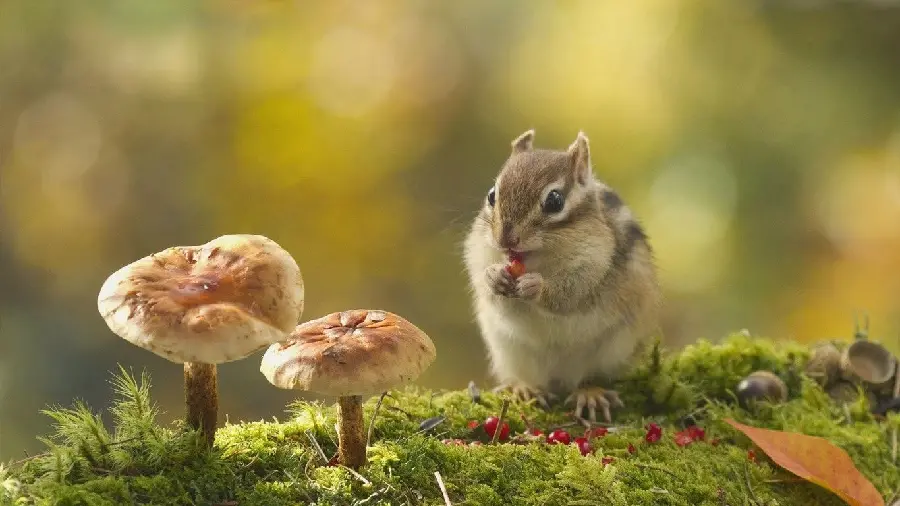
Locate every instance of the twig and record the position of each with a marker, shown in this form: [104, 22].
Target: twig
[648, 466]
[312, 439]
[499, 428]
[372, 421]
[359, 476]
[30, 457]
[440, 482]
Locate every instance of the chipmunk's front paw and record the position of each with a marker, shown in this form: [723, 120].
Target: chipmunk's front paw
[593, 398]
[526, 393]
[529, 285]
[500, 280]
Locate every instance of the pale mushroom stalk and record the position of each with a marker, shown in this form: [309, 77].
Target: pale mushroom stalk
[201, 398]
[200, 306]
[351, 434]
[348, 355]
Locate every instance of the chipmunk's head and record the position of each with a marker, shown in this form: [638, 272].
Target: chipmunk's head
[537, 193]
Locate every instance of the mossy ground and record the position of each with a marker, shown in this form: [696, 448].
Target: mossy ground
[276, 463]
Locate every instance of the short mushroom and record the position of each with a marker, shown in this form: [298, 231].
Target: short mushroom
[205, 305]
[348, 355]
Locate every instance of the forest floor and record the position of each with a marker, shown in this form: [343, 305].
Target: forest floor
[126, 457]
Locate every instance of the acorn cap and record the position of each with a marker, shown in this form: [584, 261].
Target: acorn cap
[868, 361]
[357, 352]
[213, 303]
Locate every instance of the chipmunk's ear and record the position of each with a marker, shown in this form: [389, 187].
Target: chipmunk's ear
[524, 142]
[580, 158]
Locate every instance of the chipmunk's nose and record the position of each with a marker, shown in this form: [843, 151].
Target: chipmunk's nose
[508, 239]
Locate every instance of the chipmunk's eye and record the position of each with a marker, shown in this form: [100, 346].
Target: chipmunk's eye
[554, 202]
[492, 197]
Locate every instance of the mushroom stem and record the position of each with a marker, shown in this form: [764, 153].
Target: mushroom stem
[201, 398]
[351, 437]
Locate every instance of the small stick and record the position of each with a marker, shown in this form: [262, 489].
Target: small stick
[503, 409]
[372, 421]
[361, 477]
[312, 439]
[440, 482]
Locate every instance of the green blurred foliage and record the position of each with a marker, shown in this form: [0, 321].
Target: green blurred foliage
[759, 142]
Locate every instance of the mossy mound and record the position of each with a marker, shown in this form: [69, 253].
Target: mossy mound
[280, 462]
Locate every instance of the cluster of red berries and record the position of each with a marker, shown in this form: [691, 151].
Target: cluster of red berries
[492, 426]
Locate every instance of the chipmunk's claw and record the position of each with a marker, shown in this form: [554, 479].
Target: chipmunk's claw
[526, 393]
[594, 398]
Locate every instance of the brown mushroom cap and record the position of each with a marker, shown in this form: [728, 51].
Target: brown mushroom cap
[213, 303]
[358, 352]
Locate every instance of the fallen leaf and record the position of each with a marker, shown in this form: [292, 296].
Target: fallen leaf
[817, 460]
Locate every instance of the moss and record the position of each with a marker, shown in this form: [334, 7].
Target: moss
[279, 462]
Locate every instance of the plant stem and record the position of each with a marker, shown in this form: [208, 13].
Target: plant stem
[351, 436]
[201, 398]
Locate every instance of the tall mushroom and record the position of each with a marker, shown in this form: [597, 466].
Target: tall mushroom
[349, 354]
[205, 305]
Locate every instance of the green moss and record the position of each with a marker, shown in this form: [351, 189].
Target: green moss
[276, 462]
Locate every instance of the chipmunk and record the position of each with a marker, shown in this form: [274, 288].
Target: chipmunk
[589, 297]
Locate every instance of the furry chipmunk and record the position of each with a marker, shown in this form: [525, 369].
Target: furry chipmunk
[589, 296]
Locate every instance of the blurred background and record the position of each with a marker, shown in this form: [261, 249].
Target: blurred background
[758, 141]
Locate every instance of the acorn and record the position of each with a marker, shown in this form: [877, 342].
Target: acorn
[761, 385]
[869, 362]
[824, 365]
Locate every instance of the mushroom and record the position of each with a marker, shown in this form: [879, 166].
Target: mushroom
[349, 355]
[205, 305]
[843, 392]
[825, 364]
[870, 362]
[761, 385]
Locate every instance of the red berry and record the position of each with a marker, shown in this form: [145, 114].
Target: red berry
[515, 268]
[607, 460]
[631, 449]
[654, 433]
[683, 439]
[490, 426]
[559, 436]
[535, 432]
[689, 435]
[584, 446]
[472, 424]
[597, 432]
[751, 456]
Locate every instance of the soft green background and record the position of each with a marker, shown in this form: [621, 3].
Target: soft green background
[759, 141]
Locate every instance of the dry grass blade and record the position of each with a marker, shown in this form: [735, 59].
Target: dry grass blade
[372, 421]
[502, 417]
[440, 482]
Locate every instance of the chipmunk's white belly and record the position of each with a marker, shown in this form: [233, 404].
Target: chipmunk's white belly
[546, 350]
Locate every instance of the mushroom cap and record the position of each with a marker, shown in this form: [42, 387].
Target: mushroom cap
[357, 352]
[212, 303]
